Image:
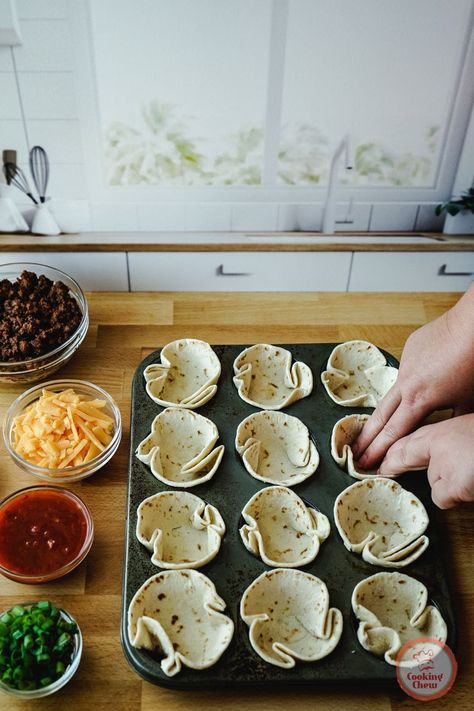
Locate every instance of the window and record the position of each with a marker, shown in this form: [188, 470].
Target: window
[224, 99]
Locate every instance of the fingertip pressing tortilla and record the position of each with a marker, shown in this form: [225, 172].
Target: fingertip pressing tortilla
[180, 529]
[180, 448]
[264, 377]
[180, 614]
[381, 520]
[276, 448]
[186, 376]
[357, 374]
[344, 434]
[392, 610]
[289, 618]
[281, 529]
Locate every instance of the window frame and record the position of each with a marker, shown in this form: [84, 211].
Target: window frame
[450, 154]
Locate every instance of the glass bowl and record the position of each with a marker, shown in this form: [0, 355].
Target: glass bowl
[66, 474]
[68, 673]
[33, 369]
[62, 569]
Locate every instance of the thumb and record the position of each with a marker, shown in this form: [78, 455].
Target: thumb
[408, 453]
[442, 495]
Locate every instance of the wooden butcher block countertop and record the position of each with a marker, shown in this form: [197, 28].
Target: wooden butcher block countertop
[124, 329]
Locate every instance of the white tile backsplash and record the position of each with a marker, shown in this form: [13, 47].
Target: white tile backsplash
[67, 181]
[114, 217]
[61, 139]
[48, 95]
[47, 46]
[254, 216]
[427, 221]
[12, 135]
[6, 63]
[308, 217]
[42, 9]
[207, 217]
[9, 101]
[395, 217]
[156, 216]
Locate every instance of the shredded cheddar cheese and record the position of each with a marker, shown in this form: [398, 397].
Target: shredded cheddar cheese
[61, 430]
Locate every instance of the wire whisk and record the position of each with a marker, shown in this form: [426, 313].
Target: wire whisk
[16, 176]
[39, 169]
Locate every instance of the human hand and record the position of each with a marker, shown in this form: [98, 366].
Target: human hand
[446, 449]
[436, 372]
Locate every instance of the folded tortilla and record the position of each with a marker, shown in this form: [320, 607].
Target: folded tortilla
[357, 374]
[344, 434]
[180, 529]
[186, 376]
[392, 610]
[281, 529]
[289, 617]
[179, 613]
[276, 448]
[381, 520]
[265, 377]
[180, 448]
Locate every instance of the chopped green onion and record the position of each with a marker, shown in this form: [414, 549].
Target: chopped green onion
[36, 645]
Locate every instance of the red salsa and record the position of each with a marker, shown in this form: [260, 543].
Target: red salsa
[41, 532]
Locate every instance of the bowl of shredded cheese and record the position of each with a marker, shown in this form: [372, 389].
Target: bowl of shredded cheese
[62, 430]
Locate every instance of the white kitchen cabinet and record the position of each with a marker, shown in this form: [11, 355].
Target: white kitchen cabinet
[411, 271]
[94, 271]
[239, 271]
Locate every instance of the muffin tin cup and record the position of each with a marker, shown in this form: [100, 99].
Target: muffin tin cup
[234, 568]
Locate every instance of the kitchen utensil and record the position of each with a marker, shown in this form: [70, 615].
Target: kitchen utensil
[16, 176]
[9, 156]
[39, 169]
[234, 568]
[11, 219]
[43, 221]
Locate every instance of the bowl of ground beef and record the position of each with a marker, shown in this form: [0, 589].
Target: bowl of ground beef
[43, 321]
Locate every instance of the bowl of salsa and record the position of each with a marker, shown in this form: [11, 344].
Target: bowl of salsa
[45, 532]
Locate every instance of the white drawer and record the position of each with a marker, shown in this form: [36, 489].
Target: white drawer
[239, 271]
[94, 271]
[412, 271]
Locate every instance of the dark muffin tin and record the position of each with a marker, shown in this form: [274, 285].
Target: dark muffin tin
[235, 568]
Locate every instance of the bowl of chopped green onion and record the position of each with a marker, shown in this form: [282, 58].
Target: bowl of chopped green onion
[40, 649]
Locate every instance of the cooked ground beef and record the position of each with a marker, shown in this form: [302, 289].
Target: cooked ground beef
[36, 316]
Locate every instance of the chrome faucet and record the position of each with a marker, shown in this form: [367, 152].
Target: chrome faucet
[329, 212]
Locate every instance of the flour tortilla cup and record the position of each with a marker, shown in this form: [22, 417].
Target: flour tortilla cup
[179, 613]
[276, 448]
[344, 434]
[264, 377]
[180, 529]
[186, 376]
[357, 374]
[281, 529]
[392, 610]
[382, 521]
[289, 617]
[180, 448]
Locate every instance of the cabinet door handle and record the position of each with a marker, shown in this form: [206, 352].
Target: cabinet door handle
[442, 272]
[220, 272]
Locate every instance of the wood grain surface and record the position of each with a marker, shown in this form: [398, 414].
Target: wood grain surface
[236, 242]
[126, 327]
